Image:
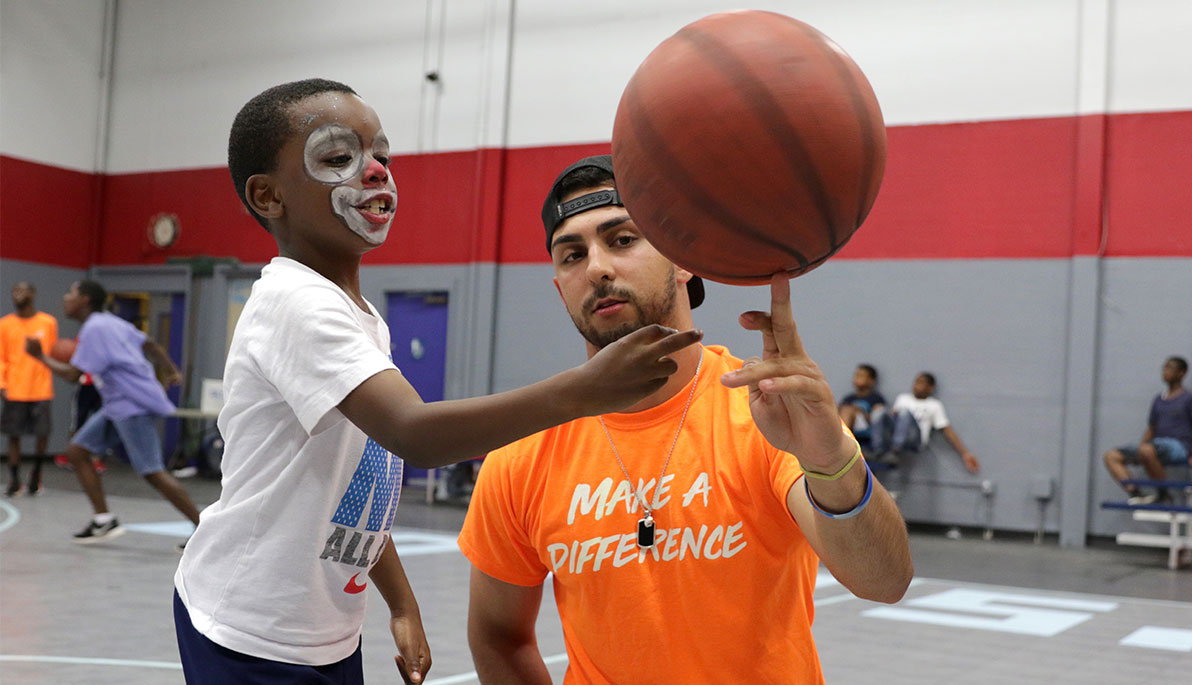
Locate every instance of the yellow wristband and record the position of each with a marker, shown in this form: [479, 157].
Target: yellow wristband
[843, 470]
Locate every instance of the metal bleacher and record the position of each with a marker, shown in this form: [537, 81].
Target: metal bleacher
[1177, 514]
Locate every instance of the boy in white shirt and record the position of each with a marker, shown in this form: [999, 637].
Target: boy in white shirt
[911, 419]
[318, 422]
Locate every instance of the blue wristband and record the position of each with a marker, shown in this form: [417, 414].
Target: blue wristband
[851, 512]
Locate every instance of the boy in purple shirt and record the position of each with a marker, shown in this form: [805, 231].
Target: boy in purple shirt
[114, 352]
[1166, 440]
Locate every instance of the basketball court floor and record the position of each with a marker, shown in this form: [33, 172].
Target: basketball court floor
[978, 613]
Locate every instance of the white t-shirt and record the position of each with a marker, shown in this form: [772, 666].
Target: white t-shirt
[277, 566]
[928, 413]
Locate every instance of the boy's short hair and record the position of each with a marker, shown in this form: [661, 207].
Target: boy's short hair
[95, 294]
[869, 369]
[929, 377]
[1180, 363]
[262, 127]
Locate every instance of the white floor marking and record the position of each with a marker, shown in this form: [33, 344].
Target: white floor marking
[1004, 612]
[1057, 593]
[174, 666]
[469, 677]
[14, 516]
[1153, 637]
[825, 580]
[412, 543]
[176, 529]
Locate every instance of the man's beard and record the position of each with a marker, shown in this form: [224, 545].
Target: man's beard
[654, 311]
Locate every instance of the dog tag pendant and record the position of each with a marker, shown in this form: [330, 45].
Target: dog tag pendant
[645, 531]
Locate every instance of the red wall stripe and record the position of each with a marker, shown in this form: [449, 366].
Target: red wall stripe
[1149, 182]
[1029, 188]
[212, 221]
[46, 213]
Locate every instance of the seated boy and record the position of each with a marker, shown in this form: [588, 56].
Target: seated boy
[864, 405]
[908, 425]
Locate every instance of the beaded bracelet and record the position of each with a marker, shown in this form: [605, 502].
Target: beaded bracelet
[851, 512]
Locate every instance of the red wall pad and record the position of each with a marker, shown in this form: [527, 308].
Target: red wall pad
[46, 213]
[1025, 188]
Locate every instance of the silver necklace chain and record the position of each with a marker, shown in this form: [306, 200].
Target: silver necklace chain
[637, 493]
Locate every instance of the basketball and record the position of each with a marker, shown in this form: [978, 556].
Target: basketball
[63, 349]
[748, 144]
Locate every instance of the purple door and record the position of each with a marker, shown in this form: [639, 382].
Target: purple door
[418, 332]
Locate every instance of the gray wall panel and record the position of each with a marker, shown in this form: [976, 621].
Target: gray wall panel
[51, 283]
[993, 331]
[1146, 317]
[1034, 357]
[470, 291]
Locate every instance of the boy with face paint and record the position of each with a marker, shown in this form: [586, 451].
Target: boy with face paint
[318, 422]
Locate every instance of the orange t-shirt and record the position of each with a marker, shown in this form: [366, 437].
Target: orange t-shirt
[24, 378]
[726, 592]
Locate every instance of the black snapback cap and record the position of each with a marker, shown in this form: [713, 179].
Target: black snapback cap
[554, 212]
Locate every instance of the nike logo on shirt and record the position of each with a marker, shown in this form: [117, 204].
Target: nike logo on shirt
[353, 587]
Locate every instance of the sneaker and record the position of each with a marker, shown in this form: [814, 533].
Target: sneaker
[63, 463]
[100, 467]
[95, 532]
[186, 472]
[953, 533]
[15, 489]
[1142, 499]
[35, 487]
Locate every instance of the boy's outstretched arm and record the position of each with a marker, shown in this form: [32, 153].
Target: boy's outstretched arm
[970, 461]
[431, 434]
[405, 620]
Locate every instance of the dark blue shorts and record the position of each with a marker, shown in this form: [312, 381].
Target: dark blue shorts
[205, 662]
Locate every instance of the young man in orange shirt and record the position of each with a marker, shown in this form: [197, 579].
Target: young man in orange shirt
[683, 535]
[26, 385]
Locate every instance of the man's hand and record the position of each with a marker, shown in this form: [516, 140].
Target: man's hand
[33, 348]
[789, 397]
[172, 378]
[413, 652]
[630, 369]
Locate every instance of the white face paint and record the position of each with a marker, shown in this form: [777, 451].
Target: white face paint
[334, 155]
[347, 202]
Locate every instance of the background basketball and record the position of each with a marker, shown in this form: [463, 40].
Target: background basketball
[63, 349]
[747, 144]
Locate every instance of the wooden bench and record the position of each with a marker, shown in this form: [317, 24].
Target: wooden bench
[1178, 517]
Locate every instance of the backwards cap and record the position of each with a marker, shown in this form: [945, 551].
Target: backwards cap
[554, 212]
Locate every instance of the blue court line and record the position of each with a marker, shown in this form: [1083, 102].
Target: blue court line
[174, 666]
[14, 516]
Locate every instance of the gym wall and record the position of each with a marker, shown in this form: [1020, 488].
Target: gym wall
[1030, 244]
